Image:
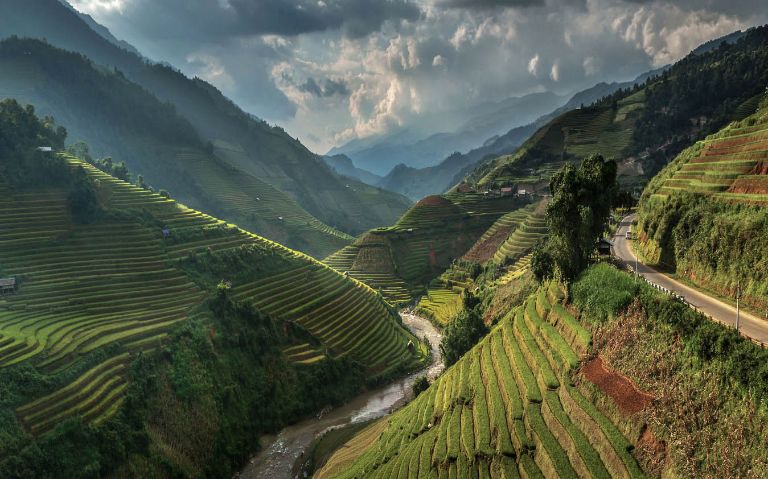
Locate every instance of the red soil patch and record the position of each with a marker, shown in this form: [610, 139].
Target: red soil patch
[752, 186]
[649, 443]
[761, 168]
[433, 200]
[624, 393]
[484, 251]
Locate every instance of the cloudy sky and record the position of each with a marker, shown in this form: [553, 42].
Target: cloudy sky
[330, 71]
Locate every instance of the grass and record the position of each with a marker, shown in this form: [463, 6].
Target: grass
[489, 416]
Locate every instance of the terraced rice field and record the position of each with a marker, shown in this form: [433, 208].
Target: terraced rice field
[731, 165]
[507, 409]
[517, 269]
[303, 354]
[379, 277]
[444, 302]
[117, 282]
[494, 237]
[522, 240]
[273, 213]
[399, 261]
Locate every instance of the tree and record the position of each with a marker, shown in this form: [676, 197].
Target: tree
[463, 333]
[577, 215]
[419, 385]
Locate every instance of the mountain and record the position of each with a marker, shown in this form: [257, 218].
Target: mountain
[645, 126]
[156, 340]
[419, 182]
[119, 118]
[343, 165]
[479, 123]
[237, 138]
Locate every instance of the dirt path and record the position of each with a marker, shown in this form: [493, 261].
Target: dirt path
[277, 459]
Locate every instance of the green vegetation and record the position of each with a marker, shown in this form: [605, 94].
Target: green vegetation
[157, 141]
[695, 367]
[463, 332]
[507, 405]
[679, 221]
[577, 216]
[648, 125]
[155, 338]
[402, 259]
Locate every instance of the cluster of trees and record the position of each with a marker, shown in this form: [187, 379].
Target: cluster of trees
[577, 217]
[464, 331]
[21, 133]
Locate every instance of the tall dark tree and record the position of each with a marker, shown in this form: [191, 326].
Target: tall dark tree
[577, 215]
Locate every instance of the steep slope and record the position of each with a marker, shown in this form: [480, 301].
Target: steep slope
[508, 408]
[266, 152]
[645, 126]
[120, 118]
[705, 215]
[344, 166]
[417, 183]
[107, 273]
[403, 258]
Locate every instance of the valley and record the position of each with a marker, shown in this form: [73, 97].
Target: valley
[187, 290]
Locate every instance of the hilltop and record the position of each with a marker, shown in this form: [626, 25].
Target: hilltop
[232, 135]
[647, 125]
[401, 260]
[156, 339]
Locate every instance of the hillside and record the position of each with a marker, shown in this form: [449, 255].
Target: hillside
[128, 336]
[344, 166]
[614, 379]
[154, 141]
[717, 188]
[419, 182]
[509, 408]
[645, 126]
[402, 259]
[238, 138]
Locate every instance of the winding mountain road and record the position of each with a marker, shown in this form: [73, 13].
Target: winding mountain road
[749, 325]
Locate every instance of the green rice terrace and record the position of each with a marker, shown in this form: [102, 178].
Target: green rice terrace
[400, 260]
[509, 408]
[116, 287]
[731, 165]
[245, 199]
[572, 136]
[507, 241]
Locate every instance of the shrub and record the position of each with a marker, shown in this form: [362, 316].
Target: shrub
[419, 385]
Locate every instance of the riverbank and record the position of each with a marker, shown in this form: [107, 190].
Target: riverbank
[280, 453]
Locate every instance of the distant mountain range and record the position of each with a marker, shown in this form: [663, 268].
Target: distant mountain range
[176, 131]
[380, 155]
[420, 182]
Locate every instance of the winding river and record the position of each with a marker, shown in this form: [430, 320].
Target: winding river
[277, 458]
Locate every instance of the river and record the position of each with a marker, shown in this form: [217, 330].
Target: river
[276, 459]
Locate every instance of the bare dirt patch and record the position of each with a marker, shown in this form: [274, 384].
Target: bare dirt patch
[485, 250]
[628, 398]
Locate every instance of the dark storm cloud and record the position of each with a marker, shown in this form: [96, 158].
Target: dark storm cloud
[329, 87]
[503, 4]
[486, 4]
[216, 20]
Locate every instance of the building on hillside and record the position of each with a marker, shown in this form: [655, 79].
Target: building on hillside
[604, 246]
[506, 191]
[7, 285]
[45, 149]
[522, 192]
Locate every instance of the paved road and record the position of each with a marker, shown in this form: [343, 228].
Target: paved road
[750, 325]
